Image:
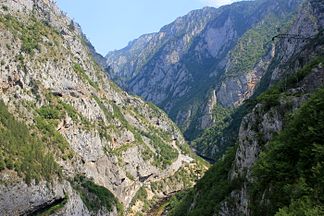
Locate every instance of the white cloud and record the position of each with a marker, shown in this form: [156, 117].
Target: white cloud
[217, 3]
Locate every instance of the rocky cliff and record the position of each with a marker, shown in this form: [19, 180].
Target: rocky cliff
[275, 167]
[72, 142]
[300, 69]
[208, 59]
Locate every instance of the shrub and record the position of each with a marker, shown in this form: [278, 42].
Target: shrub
[290, 171]
[141, 195]
[95, 197]
[84, 77]
[5, 8]
[50, 112]
[208, 192]
[165, 154]
[21, 151]
[271, 97]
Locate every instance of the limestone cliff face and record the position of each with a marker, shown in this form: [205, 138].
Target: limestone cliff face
[50, 81]
[309, 22]
[179, 67]
[257, 130]
[125, 64]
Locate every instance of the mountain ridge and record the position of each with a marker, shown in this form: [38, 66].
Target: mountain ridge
[264, 172]
[187, 73]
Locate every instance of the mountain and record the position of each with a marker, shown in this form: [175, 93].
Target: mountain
[205, 64]
[276, 166]
[71, 141]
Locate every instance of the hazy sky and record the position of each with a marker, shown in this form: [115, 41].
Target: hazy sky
[111, 24]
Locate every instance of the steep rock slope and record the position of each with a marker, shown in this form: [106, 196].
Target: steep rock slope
[276, 166]
[215, 140]
[72, 142]
[190, 68]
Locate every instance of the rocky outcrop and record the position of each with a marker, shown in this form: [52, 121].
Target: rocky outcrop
[18, 198]
[207, 118]
[259, 127]
[50, 81]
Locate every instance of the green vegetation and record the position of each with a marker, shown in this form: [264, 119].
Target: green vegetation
[58, 109]
[165, 154]
[154, 107]
[195, 98]
[83, 75]
[271, 97]
[176, 201]
[146, 153]
[49, 117]
[102, 106]
[255, 43]
[141, 195]
[96, 197]
[53, 208]
[119, 151]
[22, 151]
[130, 176]
[251, 47]
[50, 112]
[30, 34]
[225, 131]
[115, 87]
[51, 136]
[222, 118]
[208, 192]
[289, 174]
[71, 111]
[5, 8]
[104, 131]
[119, 115]
[302, 206]
[185, 175]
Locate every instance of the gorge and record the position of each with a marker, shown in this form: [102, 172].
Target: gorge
[244, 83]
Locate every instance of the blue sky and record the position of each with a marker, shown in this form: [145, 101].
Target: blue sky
[111, 24]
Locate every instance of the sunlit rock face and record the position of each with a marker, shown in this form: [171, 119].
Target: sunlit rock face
[97, 135]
